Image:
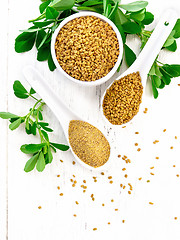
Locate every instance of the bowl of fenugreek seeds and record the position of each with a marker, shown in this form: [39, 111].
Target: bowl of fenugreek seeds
[87, 48]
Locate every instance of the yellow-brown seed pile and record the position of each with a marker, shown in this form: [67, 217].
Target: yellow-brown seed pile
[88, 143]
[122, 100]
[87, 48]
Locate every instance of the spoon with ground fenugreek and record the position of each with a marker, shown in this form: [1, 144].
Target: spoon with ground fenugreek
[122, 100]
[87, 143]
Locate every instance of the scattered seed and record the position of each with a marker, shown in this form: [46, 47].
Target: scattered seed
[175, 218]
[61, 160]
[58, 187]
[73, 162]
[136, 144]
[110, 177]
[125, 175]
[111, 182]
[39, 207]
[77, 202]
[116, 209]
[177, 175]
[75, 215]
[123, 221]
[103, 204]
[171, 147]
[151, 203]
[139, 149]
[58, 175]
[148, 181]
[112, 200]
[102, 173]
[109, 223]
[175, 137]
[140, 178]
[61, 194]
[94, 229]
[174, 165]
[151, 167]
[124, 169]
[119, 156]
[152, 173]
[164, 130]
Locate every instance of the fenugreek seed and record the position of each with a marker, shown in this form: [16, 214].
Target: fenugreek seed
[151, 203]
[84, 191]
[120, 107]
[119, 156]
[110, 177]
[123, 221]
[148, 181]
[73, 185]
[61, 160]
[94, 229]
[164, 130]
[77, 202]
[58, 175]
[93, 198]
[116, 209]
[174, 165]
[58, 187]
[136, 144]
[152, 173]
[175, 218]
[75, 215]
[87, 48]
[140, 178]
[73, 162]
[171, 147]
[175, 137]
[178, 84]
[84, 181]
[88, 143]
[109, 223]
[121, 185]
[157, 157]
[61, 194]
[112, 200]
[124, 187]
[177, 175]
[74, 176]
[71, 180]
[151, 167]
[139, 149]
[39, 207]
[95, 180]
[123, 169]
[129, 192]
[111, 182]
[125, 175]
[103, 204]
[102, 173]
[136, 132]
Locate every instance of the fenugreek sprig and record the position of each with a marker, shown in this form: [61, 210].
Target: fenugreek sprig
[33, 123]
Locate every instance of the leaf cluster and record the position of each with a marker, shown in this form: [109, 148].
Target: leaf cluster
[33, 123]
[161, 75]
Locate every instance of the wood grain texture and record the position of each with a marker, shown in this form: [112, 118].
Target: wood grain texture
[22, 193]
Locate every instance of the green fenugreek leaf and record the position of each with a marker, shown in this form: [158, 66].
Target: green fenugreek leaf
[32, 148]
[15, 124]
[61, 147]
[30, 164]
[134, 6]
[7, 115]
[40, 166]
[19, 90]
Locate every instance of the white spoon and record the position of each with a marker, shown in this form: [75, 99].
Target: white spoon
[60, 110]
[149, 53]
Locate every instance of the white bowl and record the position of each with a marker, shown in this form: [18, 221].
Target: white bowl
[114, 69]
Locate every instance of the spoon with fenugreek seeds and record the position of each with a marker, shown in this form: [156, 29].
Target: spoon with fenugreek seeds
[87, 143]
[122, 100]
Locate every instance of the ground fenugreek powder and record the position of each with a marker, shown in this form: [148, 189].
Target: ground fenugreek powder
[87, 48]
[122, 100]
[88, 143]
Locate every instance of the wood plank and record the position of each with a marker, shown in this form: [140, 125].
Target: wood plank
[3, 123]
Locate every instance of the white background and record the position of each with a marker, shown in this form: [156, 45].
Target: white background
[22, 193]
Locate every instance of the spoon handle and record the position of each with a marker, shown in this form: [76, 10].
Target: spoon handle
[155, 42]
[60, 110]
